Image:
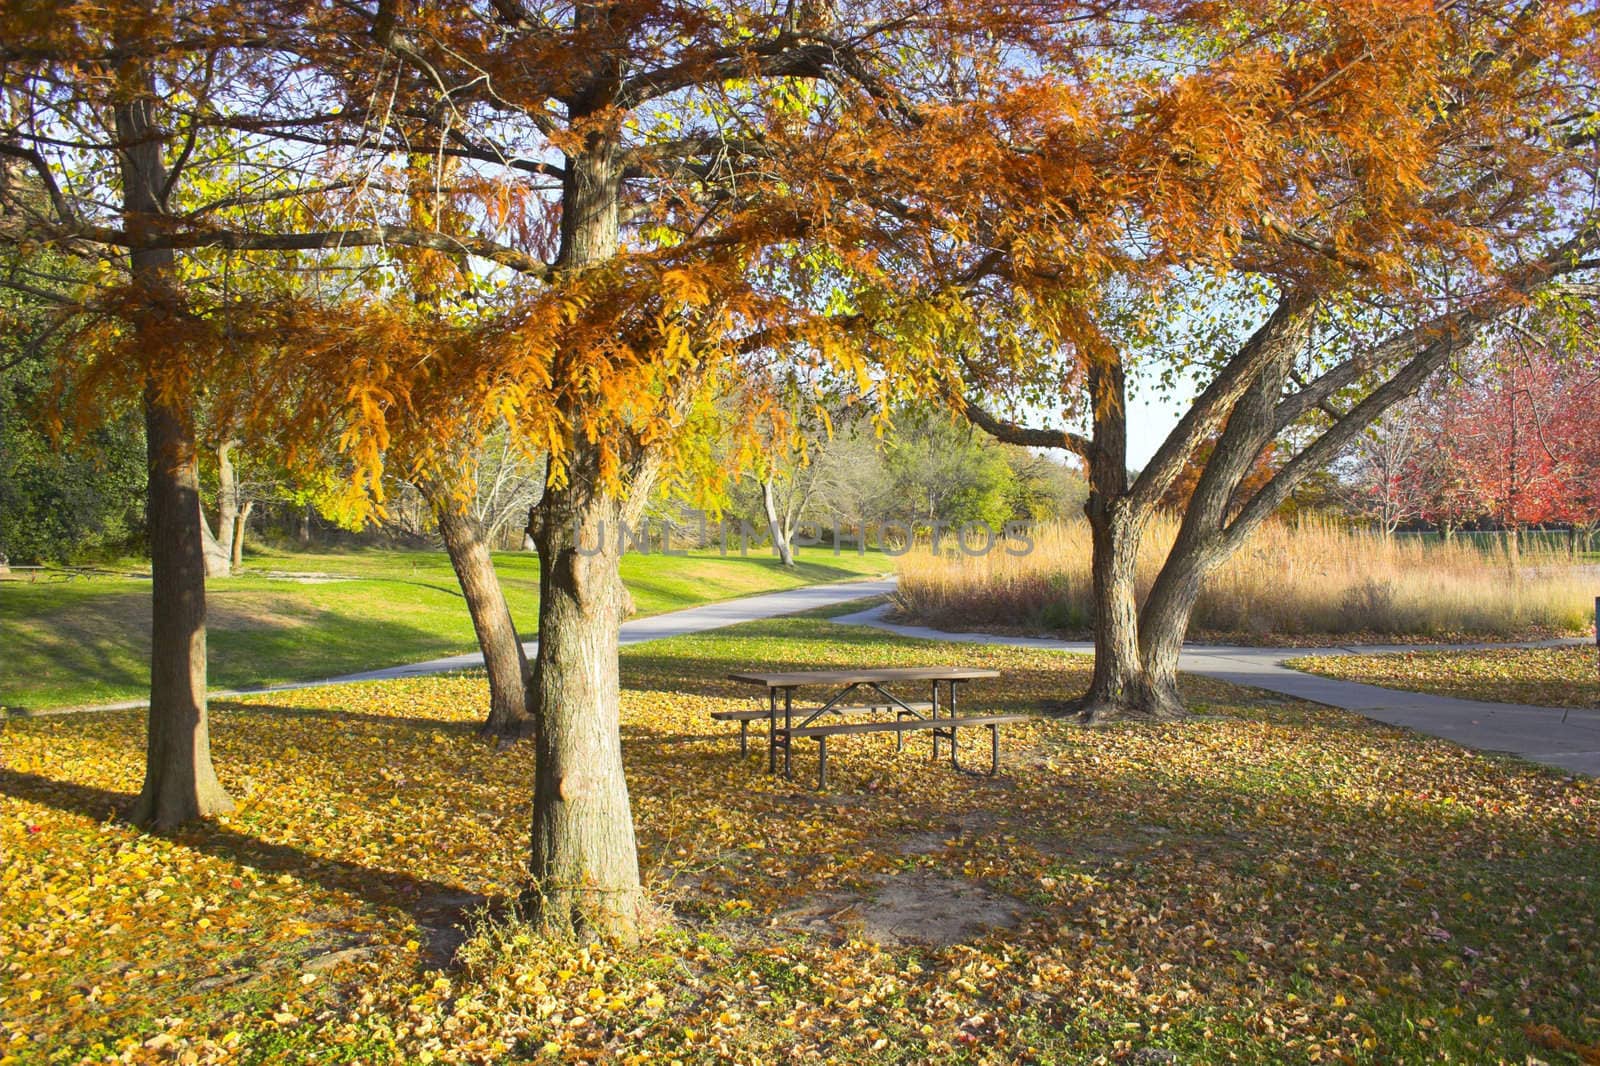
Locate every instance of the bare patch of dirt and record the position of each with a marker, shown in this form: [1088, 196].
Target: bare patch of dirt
[927, 907]
[917, 906]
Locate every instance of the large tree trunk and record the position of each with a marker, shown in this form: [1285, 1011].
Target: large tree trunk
[179, 783]
[1115, 689]
[584, 864]
[503, 657]
[775, 525]
[1204, 537]
[1115, 529]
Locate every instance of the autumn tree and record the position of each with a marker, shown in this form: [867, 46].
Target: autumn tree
[695, 167]
[1383, 465]
[1437, 478]
[1515, 432]
[1387, 181]
[85, 113]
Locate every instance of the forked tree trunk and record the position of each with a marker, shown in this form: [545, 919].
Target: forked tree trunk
[775, 526]
[180, 784]
[1205, 537]
[584, 864]
[503, 657]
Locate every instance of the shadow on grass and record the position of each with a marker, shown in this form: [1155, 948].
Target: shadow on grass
[433, 904]
[107, 640]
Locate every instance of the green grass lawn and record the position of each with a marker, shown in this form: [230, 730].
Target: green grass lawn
[1267, 882]
[1543, 677]
[87, 640]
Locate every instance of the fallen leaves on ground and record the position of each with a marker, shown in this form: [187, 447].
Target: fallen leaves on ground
[1264, 882]
[1542, 677]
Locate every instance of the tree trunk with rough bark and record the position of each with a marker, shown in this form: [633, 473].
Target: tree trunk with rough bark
[584, 865]
[180, 783]
[1205, 537]
[504, 660]
[775, 525]
[1115, 528]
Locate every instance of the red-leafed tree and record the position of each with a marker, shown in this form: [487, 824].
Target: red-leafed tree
[1438, 482]
[1513, 436]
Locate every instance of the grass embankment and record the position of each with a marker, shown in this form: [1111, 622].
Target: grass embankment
[1304, 583]
[1543, 677]
[1271, 882]
[87, 640]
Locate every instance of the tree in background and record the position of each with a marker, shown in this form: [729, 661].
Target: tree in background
[940, 470]
[841, 468]
[1511, 438]
[1444, 491]
[64, 495]
[1382, 468]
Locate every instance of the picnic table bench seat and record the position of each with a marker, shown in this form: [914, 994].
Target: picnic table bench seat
[941, 728]
[761, 714]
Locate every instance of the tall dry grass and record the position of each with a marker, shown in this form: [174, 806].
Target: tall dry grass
[1307, 579]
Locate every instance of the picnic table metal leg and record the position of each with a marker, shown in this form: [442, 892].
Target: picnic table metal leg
[933, 713]
[772, 731]
[788, 738]
[744, 739]
[994, 754]
[822, 762]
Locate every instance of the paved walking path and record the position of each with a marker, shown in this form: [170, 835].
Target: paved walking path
[655, 627]
[1567, 740]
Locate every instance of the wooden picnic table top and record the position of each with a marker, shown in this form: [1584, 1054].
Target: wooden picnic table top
[796, 678]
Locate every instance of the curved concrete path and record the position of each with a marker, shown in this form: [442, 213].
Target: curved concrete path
[1563, 739]
[707, 616]
[1568, 740]
[699, 619]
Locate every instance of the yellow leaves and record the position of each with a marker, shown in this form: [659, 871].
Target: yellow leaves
[1201, 871]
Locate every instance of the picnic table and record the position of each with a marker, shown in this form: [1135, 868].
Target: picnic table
[863, 695]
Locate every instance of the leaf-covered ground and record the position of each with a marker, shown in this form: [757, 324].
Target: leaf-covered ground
[1543, 677]
[1267, 882]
